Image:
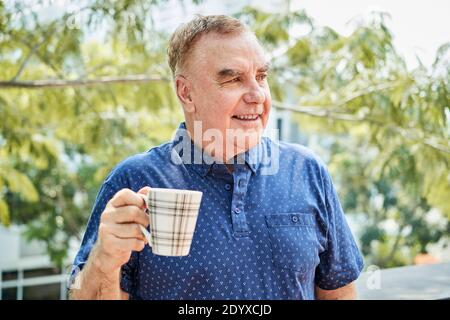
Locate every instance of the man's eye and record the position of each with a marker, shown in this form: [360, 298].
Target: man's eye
[234, 80]
[261, 77]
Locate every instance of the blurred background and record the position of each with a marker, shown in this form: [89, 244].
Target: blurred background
[85, 84]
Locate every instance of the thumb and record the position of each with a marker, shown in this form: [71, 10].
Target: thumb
[143, 192]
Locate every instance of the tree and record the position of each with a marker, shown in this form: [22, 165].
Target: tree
[72, 106]
[385, 128]
[57, 144]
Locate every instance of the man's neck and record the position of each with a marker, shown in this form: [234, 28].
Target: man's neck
[217, 150]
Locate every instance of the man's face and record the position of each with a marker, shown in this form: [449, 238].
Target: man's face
[228, 87]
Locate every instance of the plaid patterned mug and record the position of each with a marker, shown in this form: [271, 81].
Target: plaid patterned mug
[173, 216]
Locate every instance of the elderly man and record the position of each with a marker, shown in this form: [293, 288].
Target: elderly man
[276, 233]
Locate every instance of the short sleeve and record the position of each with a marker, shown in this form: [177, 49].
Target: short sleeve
[341, 262]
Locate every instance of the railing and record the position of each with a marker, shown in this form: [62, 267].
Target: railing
[22, 282]
[423, 282]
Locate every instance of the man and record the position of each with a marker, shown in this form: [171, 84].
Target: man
[261, 233]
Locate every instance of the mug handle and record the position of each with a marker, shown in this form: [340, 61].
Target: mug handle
[144, 231]
[146, 234]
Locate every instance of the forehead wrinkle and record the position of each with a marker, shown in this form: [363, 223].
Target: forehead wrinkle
[211, 49]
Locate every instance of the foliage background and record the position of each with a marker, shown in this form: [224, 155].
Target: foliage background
[87, 87]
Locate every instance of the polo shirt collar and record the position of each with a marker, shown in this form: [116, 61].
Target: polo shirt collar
[185, 151]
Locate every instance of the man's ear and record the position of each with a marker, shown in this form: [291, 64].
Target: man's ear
[183, 88]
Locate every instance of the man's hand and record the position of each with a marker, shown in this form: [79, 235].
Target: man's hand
[119, 235]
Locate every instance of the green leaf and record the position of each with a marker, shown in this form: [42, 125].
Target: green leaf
[21, 184]
[4, 213]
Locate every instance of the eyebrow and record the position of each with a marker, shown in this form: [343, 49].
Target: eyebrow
[229, 73]
[265, 67]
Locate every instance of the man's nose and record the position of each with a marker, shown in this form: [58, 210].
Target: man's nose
[255, 95]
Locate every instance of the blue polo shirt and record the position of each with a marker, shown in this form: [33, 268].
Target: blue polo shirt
[271, 229]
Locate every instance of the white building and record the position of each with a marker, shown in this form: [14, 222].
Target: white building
[26, 271]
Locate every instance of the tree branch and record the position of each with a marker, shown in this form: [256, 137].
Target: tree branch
[332, 113]
[372, 89]
[394, 248]
[25, 61]
[30, 54]
[58, 83]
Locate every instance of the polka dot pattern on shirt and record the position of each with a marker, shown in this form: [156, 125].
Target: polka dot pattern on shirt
[257, 236]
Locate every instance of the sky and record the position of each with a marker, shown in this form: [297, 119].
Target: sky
[419, 27]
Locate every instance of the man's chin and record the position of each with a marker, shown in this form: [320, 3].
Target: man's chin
[243, 140]
[244, 126]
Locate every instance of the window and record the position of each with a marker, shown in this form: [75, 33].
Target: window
[9, 294]
[41, 272]
[280, 128]
[9, 275]
[40, 283]
[42, 292]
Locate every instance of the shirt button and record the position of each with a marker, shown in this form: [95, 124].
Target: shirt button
[294, 219]
[241, 183]
[237, 210]
[228, 187]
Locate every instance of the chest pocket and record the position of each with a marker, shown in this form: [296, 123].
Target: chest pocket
[294, 241]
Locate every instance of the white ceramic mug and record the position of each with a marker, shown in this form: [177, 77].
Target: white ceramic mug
[173, 217]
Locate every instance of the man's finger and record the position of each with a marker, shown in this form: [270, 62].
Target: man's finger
[143, 192]
[126, 197]
[127, 231]
[130, 214]
[129, 244]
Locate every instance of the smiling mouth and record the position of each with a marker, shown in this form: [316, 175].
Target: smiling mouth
[247, 117]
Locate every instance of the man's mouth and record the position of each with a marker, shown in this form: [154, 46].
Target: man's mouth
[247, 117]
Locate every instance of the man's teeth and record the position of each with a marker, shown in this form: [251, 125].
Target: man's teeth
[248, 117]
